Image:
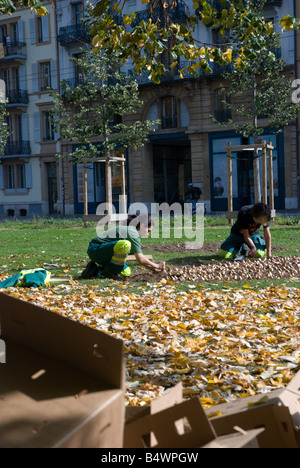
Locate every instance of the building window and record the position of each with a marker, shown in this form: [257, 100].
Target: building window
[78, 72]
[172, 113]
[17, 178]
[3, 33]
[45, 76]
[39, 29]
[222, 113]
[10, 178]
[169, 112]
[42, 29]
[21, 176]
[48, 127]
[78, 10]
[14, 33]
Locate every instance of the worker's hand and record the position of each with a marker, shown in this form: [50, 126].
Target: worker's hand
[252, 252]
[161, 266]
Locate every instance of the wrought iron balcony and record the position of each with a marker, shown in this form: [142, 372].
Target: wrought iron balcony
[173, 74]
[14, 50]
[74, 33]
[274, 3]
[17, 147]
[169, 122]
[72, 83]
[17, 97]
[177, 13]
[218, 5]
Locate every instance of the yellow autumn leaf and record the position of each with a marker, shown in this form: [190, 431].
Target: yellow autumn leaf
[227, 55]
[127, 20]
[263, 400]
[42, 11]
[214, 414]
[207, 402]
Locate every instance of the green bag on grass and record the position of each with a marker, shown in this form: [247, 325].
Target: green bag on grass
[27, 279]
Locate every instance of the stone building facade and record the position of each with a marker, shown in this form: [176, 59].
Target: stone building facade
[187, 147]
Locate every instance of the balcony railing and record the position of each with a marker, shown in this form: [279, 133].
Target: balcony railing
[17, 147]
[73, 33]
[274, 3]
[169, 121]
[15, 50]
[269, 3]
[17, 97]
[72, 83]
[177, 13]
[173, 75]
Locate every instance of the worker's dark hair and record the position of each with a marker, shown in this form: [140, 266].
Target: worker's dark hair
[138, 219]
[261, 210]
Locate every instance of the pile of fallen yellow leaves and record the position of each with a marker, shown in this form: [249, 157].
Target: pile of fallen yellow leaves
[221, 344]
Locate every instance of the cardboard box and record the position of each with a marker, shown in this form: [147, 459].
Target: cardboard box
[278, 412]
[240, 439]
[62, 384]
[166, 427]
[170, 398]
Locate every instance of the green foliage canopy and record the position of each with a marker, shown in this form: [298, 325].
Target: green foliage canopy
[144, 41]
[91, 116]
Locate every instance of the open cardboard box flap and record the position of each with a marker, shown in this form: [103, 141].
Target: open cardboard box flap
[277, 411]
[239, 439]
[63, 382]
[171, 397]
[184, 425]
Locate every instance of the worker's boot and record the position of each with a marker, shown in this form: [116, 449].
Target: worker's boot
[106, 273]
[91, 271]
[243, 254]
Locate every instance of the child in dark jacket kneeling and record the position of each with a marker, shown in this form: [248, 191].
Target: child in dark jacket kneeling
[245, 233]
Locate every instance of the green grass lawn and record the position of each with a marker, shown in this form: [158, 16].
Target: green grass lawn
[173, 332]
[64, 243]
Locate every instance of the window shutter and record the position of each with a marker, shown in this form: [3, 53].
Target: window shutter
[37, 127]
[21, 31]
[22, 71]
[32, 31]
[45, 28]
[25, 128]
[28, 176]
[35, 77]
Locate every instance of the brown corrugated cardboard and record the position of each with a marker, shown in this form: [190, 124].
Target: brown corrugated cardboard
[240, 439]
[163, 427]
[278, 412]
[198, 431]
[62, 384]
[170, 398]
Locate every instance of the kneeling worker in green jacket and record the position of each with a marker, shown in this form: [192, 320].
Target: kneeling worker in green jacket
[108, 252]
